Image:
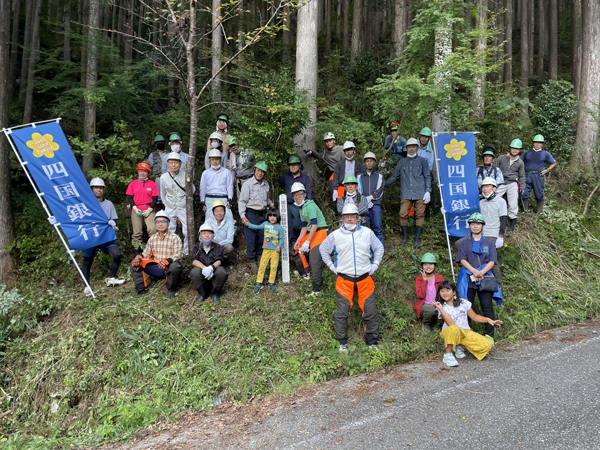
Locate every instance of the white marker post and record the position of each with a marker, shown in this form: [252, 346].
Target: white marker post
[285, 245]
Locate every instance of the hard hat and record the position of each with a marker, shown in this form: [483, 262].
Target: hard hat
[174, 155]
[349, 145]
[328, 136]
[489, 180]
[538, 138]
[489, 153]
[214, 153]
[425, 131]
[350, 208]
[206, 227]
[350, 179]
[476, 218]
[393, 126]
[370, 155]
[298, 187]
[162, 214]
[223, 116]
[218, 203]
[97, 182]
[175, 137]
[216, 135]
[261, 165]
[231, 140]
[516, 143]
[490, 146]
[158, 138]
[144, 166]
[428, 258]
[412, 141]
[294, 159]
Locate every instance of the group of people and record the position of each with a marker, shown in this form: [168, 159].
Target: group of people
[356, 190]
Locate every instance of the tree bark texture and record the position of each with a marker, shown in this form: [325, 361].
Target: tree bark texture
[577, 46]
[553, 33]
[327, 26]
[400, 21]
[480, 49]
[469, 15]
[508, 49]
[14, 49]
[128, 28]
[542, 37]
[217, 47]
[287, 36]
[35, 37]
[338, 23]
[346, 43]
[191, 88]
[442, 50]
[356, 44]
[530, 30]
[524, 10]
[306, 74]
[29, 13]
[67, 32]
[587, 129]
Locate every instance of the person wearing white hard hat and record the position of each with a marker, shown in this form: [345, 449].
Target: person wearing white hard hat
[223, 227]
[172, 193]
[208, 274]
[370, 184]
[108, 248]
[161, 258]
[216, 183]
[345, 167]
[176, 145]
[221, 129]
[354, 245]
[216, 142]
[331, 156]
[286, 181]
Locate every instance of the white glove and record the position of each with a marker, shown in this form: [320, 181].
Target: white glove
[210, 275]
[335, 195]
[112, 223]
[370, 205]
[499, 242]
[374, 267]
[333, 268]
[382, 164]
[52, 220]
[305, 247]
[442, 210]
[369, 198]
[427, 197]
[207, 272]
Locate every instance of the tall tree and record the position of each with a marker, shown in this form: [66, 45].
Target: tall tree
[217, 48]
[307, 65]
[346, 25]
[67, 31]
[400, 22]
[508, 48]
[35, 37]
[27, 32]
[587, 128]
[7, 233]
[553, 50]
[14, 48]
[524, 11]
[128, 29]
[480, 49]
[357, 19]
[327, 26]
[577, 43]
[442, 50]
[542, 37]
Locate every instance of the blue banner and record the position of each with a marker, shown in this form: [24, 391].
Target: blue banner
[54, 168]
[458, 178]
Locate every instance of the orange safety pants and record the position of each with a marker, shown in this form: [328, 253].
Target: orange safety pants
[319, 237]
[365, 288]
[316, 262]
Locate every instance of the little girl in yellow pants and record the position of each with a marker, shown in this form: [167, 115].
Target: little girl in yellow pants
[273, 233]
[456, 331]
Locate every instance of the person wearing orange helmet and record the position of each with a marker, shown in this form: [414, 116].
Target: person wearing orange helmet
[142, 195]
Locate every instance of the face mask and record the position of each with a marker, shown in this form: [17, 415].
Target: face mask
[538, 149]
[350, 226]
[348, 194]
[206, 241]
[160, 146]
[217, 167]
[176, 148]
[488, 196]
[350, 158]
[301, 203]
[411, 156]
[214, 145]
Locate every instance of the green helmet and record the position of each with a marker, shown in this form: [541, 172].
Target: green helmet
[428, 258]
[393, 127]
[425, 131]
[516, 143]
[223, 116]
[489, 153]
[350, 179]
[158, 138]
[293, 159]
[175, 137]
[476, 218]
[261, 165]
[538, 138]
[231, 140]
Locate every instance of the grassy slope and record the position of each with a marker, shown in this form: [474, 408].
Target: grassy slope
[114, 365]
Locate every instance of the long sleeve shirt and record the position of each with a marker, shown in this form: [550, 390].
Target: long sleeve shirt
[414, 176]
[371, 184]
[490, 171]
[224, 233]
[329, 242]
[398, 149]
[341, 171]
[172, 190]
[331, 157]
[254, 195]
[223, 158]
[512, 172]
[242, 163]
[288, 180]
[359, 200]
[207, 258]
[273, 234]
[427, 153]
[167, 246]
[216, 182]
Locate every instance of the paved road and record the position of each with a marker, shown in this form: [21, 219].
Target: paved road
[541, 394]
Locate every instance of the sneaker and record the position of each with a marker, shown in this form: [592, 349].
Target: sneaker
[313, 294]
[258, 288]
[459, 352]
[216, 299]
[450, 360]
[490, 340]
[171, 293]
[273, 287]
[200, 298]
[343, 348]
[114, 282]
[373, 347]
[306, 276]
[88, 292]
[426, 327]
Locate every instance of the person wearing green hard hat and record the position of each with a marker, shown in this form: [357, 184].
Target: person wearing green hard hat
[353, 197]
[425, 149]
[286, 181]
[331, 156]
[221, 128]
[158, 158]
[489, 169]
[426, 285]
[240, 161]
[370, 184]
[395, 144]
[513, 171]
[478, 256]
[253, 204]
[348, 165]
[176, 145]
[535, 166]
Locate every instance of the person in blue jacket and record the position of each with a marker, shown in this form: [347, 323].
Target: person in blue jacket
[397, 144]
[286, 181]
[535, 162]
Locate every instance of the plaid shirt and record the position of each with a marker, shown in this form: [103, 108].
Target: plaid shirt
[163, 247]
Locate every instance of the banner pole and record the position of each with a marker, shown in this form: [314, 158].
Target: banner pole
[7, 132]
[437, 165]
[285, 245]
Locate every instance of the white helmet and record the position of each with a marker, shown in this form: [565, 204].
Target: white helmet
[350, 208]
[162, 214]
[412, 141]
[489, 180]
[174, 155]
[348, 145]
[370, 155]
[206, 227]
[97, 182]
[214, 153]
[216, 135]
[328, 136]
[298, 187]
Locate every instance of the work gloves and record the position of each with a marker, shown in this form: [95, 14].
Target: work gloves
[544, 172]
[374, 267]
[203, 206]
[137, 262]
[164, 263]
[147, 213]
[335, 195]
[113, 224]
[208, 272]
[136, 210]
[427, 197]
[500, 242]
[333, 268]
[305, 247]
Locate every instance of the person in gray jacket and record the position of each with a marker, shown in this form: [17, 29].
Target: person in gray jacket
[346, 166]
[513, 171]
[415, 187]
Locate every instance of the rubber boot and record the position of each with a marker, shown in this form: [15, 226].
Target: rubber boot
[539, 208]
[417, 243]
[513, 222]
[404, 235]
[253, 266]
[525, 205]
